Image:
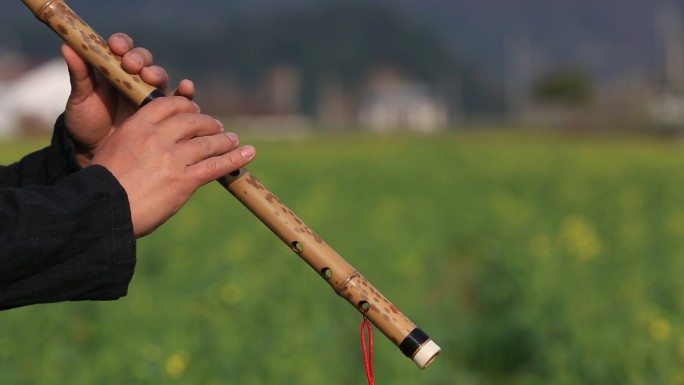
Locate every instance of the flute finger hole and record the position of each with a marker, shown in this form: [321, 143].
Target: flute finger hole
[297, 247]
[363, 306]
[326, 272]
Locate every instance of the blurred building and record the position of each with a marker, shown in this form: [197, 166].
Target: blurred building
[402, 107]
[384, 101]
[31, 97]
[666, 99]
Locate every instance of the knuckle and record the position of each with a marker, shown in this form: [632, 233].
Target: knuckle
[204, 144]
[199, 123]
[167, 103]
[174, 103]
[213, 166]
[234, 160]
[211, 169]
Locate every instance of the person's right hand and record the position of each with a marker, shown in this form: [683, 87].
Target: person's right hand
[163, 153]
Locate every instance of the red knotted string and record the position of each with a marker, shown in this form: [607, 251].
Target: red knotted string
[367, 351]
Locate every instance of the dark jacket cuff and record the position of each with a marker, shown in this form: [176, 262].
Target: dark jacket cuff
[61, 156]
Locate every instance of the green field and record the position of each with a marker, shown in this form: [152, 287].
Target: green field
[531, 259]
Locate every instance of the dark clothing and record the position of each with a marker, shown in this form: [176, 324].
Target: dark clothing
[65, 232]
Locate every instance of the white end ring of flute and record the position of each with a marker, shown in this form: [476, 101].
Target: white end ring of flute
[426, 354]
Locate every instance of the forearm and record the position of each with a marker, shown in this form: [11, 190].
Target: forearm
[65, 232]
[71, 241]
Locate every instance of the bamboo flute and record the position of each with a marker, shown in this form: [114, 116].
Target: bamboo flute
[340, 275]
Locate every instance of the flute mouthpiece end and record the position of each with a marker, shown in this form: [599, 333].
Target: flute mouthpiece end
[426, 354]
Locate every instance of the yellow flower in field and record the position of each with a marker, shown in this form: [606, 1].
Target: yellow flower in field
[659, 328]
[177, 363]
[231, 294]
[578, 237]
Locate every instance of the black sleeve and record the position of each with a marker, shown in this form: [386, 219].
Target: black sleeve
[65, 232]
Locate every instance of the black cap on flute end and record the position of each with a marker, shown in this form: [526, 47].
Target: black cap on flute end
[420, 348]
[157, 93]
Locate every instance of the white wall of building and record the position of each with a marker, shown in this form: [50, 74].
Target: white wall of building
[39, 95]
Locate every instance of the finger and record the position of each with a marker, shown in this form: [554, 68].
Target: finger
[161, 109]
[186, 88]
[136, 59]
[155, 76]
[215, 167]
[74, 61]
[81, 75]
[204, 147]
[120, 43]
[183, 127]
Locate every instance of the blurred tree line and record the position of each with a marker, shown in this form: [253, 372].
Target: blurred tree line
[569, 86]
[339, 42]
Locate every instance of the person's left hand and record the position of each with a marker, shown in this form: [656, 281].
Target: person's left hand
[95, 108]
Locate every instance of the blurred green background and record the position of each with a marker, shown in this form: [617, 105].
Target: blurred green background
[509, 174]
[530, 258]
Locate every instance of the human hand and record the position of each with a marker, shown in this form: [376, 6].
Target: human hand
[95, 108]
[163, 153]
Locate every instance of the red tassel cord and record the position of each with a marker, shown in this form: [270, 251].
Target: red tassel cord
[367, 350]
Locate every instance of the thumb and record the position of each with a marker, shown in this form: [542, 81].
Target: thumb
[81, 75]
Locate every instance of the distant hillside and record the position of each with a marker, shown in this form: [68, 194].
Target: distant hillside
[607, 35]
[610, 39]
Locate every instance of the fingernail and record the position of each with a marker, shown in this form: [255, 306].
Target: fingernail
[248, 152]
[197, 107]
[219, 123]
[233, 138]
